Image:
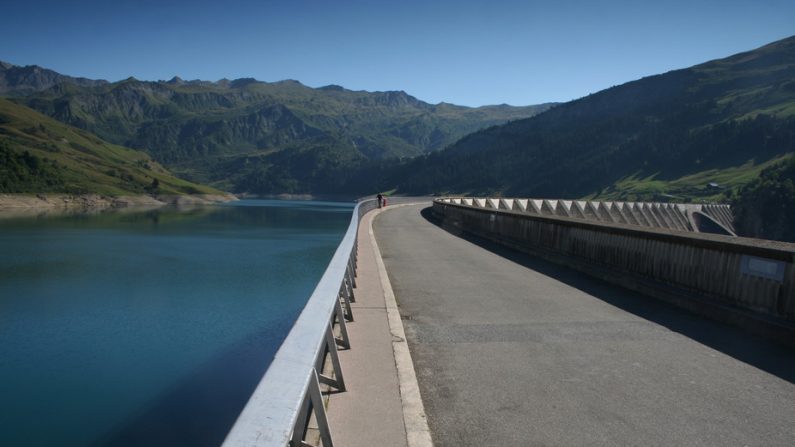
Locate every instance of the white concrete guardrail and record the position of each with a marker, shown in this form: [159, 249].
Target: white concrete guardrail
[693, 217]
[279, 410]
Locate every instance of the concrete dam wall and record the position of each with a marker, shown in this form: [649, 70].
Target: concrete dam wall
[746, 282]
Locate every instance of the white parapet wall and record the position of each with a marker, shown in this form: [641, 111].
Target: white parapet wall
[698, 218]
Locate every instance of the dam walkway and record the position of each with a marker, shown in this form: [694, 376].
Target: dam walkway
[512, 350]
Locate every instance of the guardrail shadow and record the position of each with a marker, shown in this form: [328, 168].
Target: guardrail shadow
[197, 411]
[756, 351]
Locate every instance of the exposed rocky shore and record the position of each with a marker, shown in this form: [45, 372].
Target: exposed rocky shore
[16, 204]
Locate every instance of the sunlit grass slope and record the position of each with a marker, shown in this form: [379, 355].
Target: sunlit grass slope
[40, 154]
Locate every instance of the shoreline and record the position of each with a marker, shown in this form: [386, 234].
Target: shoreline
[302, 197]
[14, 205]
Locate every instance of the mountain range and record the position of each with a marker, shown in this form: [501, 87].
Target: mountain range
[226, 133]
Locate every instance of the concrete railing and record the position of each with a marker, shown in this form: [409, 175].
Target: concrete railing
[278, 412]
[695, 217]
[749, 282]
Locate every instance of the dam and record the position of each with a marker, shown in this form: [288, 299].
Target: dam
[516, 336]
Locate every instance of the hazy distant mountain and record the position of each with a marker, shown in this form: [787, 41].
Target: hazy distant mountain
[16, 80]
[662, 137]
[272, 137]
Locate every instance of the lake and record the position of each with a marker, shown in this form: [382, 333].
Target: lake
[151, 327]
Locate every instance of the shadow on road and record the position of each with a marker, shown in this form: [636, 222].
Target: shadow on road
[768, 356]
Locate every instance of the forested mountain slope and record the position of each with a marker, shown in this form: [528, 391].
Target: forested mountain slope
[662, 137]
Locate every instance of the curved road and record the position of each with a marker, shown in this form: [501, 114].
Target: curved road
[510, 350]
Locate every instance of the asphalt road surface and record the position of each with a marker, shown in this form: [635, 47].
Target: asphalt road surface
[512, 350]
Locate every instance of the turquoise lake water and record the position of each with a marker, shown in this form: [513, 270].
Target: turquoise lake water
[150, 328]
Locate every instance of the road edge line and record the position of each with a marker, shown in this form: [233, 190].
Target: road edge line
[414, 420]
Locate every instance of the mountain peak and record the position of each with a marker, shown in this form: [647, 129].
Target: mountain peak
[175, 80]
[332, 88]
[17, 80]
[395, 98]
[242, 82]
[288, 82]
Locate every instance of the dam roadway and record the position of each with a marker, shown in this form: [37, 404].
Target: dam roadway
[512, 350]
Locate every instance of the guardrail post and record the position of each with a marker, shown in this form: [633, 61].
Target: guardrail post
[349, 286]
[315, 398]
[344, 341]
[343, 293]
[320, 411]
[299, 430]
[352, 270]
[338, 381]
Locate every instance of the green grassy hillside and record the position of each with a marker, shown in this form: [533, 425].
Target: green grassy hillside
[664, 137]
[40, 154]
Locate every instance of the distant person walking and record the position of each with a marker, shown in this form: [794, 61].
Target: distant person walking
[380, 199]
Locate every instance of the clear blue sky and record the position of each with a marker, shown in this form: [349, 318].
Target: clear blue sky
[464, 52]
